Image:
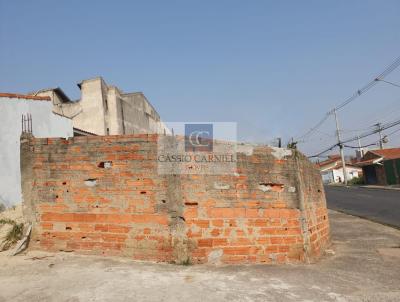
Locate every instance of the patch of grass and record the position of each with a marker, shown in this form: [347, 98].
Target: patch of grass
[186, 262]
[14, 234]
[7, 221]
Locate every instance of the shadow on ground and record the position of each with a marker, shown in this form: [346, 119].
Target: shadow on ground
[364, 267]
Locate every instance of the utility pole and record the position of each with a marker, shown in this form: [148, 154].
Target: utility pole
[360, 151]
[341, 147]
[378, 125]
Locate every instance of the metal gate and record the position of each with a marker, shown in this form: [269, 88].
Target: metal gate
[390, 172]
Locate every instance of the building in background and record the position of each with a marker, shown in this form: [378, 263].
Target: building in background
[381, 167]
[332, 170]
[105, 110]
[35, 115]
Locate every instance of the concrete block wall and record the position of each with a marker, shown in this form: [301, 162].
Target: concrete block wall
[103, 195]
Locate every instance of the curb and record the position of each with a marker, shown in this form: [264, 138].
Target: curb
[379, 188]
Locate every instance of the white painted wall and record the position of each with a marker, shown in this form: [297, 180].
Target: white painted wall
[350, 171]
[327, 176]
[44, 123]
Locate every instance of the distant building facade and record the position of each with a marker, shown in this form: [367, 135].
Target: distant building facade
[35, 115]
[105, 110]
[332, 170]
[381, 167]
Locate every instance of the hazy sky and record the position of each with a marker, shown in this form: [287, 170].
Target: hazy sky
[274, 67]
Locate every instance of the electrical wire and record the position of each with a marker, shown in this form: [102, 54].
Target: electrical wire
[313, 129]
[397, 130]
[365, 88]
[391, 83]
[366, 134]
[371, 84]
[357, 147]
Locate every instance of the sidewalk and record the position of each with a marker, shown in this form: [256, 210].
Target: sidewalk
[364, 267]
[394, 187]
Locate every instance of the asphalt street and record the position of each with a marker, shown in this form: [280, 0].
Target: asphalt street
[378, 205]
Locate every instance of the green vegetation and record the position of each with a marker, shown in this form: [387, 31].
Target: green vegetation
[356, 181]
[186, 262]
[14, 234]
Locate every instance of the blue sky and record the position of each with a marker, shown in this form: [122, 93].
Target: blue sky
[274, 67]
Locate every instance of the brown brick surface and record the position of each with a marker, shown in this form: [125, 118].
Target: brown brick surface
[130, 210]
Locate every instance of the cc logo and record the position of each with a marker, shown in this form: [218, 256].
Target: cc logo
[195, 138]
[198, 137]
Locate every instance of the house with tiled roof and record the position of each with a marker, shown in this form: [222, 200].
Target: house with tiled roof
[381, 167]
[332, 170]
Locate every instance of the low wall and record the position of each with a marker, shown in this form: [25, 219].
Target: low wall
[103, 195]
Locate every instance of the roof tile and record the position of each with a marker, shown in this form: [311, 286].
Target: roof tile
[24, 96]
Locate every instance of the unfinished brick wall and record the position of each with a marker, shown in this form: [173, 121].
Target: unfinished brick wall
[103, 195]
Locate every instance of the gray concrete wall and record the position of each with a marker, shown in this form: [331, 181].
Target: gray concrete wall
[45, 124]
[92, 118]
[139, 115]
[103, 109]
[115, 114]
[69, 110]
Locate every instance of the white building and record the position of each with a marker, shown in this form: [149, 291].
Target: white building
[332, 170]
[45, 123]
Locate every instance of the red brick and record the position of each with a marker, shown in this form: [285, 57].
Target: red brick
[252, 213]
[46, 225]
[205, 242]
[190, 213]
[227, 212]
[118, 229]
[250, 225]
[217, 222]
[219, 242]
[240, 250]
[215, 232]
[201, 223]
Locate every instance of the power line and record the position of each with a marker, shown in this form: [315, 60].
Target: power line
[382, 127]
[394, 84]
[319, 124]
[365, 88]
[372, 83]
[365, 134]
[326, 134]
[372, 144]
[355, 130]
[393, 132]
[358, 147]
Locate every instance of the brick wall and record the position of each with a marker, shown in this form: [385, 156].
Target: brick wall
[103, 195]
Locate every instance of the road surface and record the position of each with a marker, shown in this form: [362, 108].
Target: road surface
[379, 205]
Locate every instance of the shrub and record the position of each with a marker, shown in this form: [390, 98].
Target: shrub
[356, 181]
[14, 234]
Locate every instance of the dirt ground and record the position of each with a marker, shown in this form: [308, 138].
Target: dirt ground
[365, 266]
